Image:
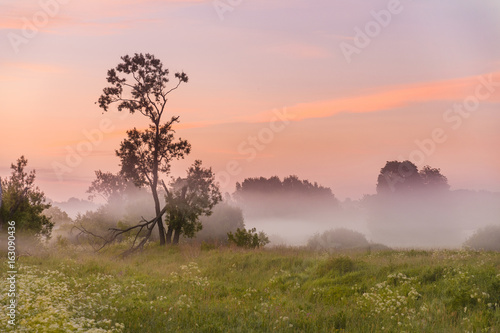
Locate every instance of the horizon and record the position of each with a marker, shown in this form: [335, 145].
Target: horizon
[327, 92]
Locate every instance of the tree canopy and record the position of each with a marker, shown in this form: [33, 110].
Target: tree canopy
[188, 199]
[404, 177]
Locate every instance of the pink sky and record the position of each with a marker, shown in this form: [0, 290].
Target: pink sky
[344, 119]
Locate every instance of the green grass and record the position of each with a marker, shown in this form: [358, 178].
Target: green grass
[184, 289]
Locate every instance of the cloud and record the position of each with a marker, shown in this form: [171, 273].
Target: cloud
[96, 15]
[390, 98]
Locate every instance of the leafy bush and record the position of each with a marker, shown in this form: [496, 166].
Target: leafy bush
[487, 239]
[338, 239]
[248, 238]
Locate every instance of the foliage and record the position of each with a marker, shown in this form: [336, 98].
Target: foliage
[487, 239]
[109, 186]
[188, 199]
[338, 239]
[57, 216]
[404, 177]
[288, 185]
[23, 202]
[248, 238]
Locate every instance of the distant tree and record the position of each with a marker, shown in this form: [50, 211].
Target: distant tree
[433, 179]
[57, 216]
[412, 207]
[108, 185]
[290, 184]
[139, 84]
[265, 197]
[23, 202]
[188, 199]
[399, 177]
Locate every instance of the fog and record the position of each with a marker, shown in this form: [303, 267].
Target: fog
[418, 219]
[423, 220]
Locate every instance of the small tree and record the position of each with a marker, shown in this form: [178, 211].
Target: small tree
[23, 202]
[190, 198]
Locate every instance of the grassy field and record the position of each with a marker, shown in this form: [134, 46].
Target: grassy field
[186, 289]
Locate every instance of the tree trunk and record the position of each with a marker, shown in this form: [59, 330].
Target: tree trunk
[177, 235]
[161, 228]
[169, 235]
[154, 185]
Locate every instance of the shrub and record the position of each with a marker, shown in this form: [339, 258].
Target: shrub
[248, 238]
[338, 239]
[487, 239]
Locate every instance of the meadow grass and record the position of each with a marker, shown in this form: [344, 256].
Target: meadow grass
[185, 289]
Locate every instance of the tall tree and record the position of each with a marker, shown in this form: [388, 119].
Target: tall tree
[188, 199]
[23, 202]
[139, 84]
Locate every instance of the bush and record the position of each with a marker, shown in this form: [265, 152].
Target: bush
[338, 239]
[487, 239]
[248, 238]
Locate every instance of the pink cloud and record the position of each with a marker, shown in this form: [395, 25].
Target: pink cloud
[390, 98]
